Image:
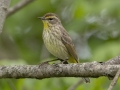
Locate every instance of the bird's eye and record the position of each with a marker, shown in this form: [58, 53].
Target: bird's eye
[50, 18]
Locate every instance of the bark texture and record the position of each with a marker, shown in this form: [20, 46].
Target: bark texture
[46, 70]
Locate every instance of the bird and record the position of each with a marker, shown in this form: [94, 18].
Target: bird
[57, 41]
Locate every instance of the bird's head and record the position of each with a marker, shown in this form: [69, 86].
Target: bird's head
[50, 19]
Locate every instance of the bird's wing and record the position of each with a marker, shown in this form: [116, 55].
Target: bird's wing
[67, 41]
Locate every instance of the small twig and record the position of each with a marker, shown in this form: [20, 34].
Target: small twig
[113, 61]
[114, 81]
[11, 85]
[74, 86]
[4, 4]
[18, 6]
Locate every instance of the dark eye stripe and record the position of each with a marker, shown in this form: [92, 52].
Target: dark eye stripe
[50, 18]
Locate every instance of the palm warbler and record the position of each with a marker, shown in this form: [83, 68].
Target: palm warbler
[57, 40]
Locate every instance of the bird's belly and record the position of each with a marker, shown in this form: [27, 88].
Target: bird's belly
[55, 47]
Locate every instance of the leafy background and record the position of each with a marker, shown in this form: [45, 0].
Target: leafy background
[92, 24]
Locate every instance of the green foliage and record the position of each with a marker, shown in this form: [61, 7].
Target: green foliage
[95, 29]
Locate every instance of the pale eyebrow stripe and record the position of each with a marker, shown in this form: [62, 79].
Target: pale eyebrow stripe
[51, 17]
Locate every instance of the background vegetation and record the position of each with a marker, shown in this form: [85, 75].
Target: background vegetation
[93, 25]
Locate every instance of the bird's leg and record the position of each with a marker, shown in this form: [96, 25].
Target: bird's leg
[57, 59]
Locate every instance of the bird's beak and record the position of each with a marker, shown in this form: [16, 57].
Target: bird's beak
[42, 18]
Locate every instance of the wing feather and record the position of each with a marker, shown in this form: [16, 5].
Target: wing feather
[67, 41]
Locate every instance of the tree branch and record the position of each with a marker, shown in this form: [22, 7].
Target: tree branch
[18, 6]
[114, 81]
[45, 70]
[4, 4]
[42, 71]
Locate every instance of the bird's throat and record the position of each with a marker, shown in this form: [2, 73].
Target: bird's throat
[45, 24]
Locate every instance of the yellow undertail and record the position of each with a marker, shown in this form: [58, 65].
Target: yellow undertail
[72, 60]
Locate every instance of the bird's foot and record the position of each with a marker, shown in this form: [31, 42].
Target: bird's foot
[64, 61]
